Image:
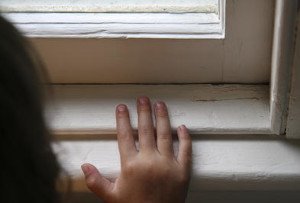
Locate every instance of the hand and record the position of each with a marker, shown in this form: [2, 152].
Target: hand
[152, 173]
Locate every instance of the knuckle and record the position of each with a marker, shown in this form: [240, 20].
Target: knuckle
[124, 134]
[162, 113]
[164, 136]
[146, 130]
[122, 115]
[91, 182]
[149, 166]
[187, 138]
[129, 168]
[144, 109]
[160, 165]
[166, 171]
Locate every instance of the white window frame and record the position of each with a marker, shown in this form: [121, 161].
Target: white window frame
[122, 25]
[274, 121]
[293, 118]
[244, 56]
[282, 59]
[254, 164]
[237, 165]
[244, 165]
[281, 72]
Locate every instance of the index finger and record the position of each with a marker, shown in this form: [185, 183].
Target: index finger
[126, 142]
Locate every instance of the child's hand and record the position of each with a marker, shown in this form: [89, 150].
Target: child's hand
[152, 173]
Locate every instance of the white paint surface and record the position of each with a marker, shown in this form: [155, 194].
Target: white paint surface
[89, 109]
[109, 5]
[282, 59]
[119, 25]
[293, 127]
[244, 56]
[238, 163]
[117, 19]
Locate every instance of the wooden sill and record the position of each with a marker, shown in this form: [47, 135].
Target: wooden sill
[82, 118]
[230, 163]
[211, 109]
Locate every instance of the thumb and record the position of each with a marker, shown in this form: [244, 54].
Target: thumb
[98, 184]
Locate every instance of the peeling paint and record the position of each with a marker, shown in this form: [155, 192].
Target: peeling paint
[241, 98]
[248, 112]
[230, 92]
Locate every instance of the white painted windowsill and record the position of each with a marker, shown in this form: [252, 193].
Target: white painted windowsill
[212, 109]
[82, 117]
[232, 163]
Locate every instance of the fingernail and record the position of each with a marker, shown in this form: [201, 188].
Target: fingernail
[160, 105]
[121, 108]
[86, 168]
[183, 128]
[143, 100]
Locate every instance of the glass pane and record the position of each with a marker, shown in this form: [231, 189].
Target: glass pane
[159, 6]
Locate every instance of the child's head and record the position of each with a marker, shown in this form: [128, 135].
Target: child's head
[28, 166]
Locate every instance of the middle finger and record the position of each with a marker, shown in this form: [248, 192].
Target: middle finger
[145, 124]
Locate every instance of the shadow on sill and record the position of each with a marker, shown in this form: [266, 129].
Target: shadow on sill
[212, 197]
[222, 137]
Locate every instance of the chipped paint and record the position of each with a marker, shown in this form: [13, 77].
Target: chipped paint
[74, 107]
[231, 92]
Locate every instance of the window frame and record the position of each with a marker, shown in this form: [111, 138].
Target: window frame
[122, 25]
[292, 129]
[242, 57]
[285, 22]
[235, 163]
[283, 54]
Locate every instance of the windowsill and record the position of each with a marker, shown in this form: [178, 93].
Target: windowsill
[84, 123]
[238, 163]
[210, 109]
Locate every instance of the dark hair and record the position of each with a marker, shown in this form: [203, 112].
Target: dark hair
[29, 169]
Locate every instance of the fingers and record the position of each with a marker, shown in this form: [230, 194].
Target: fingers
[164, 135]
[185, 147]
[145, 124]
[126, 142]
[98, 184]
